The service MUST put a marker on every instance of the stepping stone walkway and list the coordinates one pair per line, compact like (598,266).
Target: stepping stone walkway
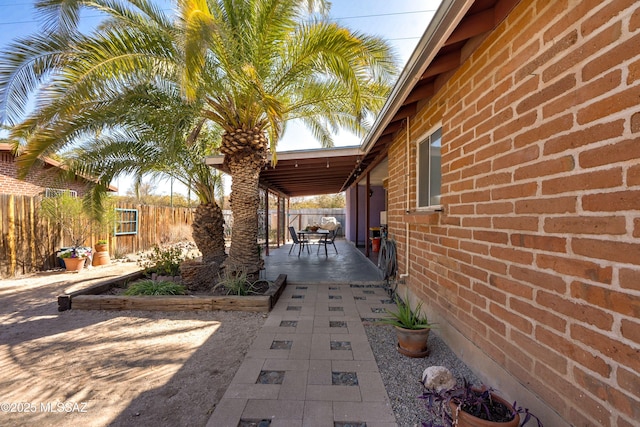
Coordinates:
(311,364)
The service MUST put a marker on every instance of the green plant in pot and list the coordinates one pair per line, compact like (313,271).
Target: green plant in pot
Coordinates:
(412,328)
(101,257)
(101,245)
(469,406)
(74,258)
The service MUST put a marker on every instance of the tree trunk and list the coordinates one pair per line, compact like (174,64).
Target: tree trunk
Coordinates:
(245,156)
(208,232)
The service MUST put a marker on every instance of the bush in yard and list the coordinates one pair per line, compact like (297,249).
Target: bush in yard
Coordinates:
(163,261)
(151,287)
(236,284)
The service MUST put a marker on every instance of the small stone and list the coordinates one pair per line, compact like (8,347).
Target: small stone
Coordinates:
(340,345)
(344,378)
(438,378)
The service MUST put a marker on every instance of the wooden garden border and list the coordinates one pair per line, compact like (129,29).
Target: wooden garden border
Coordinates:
(87,299)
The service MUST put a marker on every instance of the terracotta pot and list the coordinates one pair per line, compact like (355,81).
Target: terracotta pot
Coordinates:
(413,342)
(74,264)
(465,419)
(101,258)
(101,247)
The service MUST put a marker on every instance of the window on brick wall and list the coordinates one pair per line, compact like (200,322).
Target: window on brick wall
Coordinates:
(126,222)
(429,170)
(55,192)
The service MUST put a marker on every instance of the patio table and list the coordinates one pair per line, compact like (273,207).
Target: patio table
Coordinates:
(303,234)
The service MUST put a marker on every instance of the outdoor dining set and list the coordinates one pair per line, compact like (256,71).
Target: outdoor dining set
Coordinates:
(314,235)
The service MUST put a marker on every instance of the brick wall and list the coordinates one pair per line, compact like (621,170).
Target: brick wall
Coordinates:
(37,180)
(536,259)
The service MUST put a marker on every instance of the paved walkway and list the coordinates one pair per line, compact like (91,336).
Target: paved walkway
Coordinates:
(311,363)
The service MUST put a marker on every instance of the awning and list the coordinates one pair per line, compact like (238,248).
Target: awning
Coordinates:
(305,172)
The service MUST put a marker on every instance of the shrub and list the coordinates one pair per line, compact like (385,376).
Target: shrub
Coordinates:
(164,262)
(236,284)
(150,287)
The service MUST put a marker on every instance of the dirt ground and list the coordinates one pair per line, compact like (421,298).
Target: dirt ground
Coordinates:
(98,368)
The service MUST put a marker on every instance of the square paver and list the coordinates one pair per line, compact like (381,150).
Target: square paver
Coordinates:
(337,324)
(319,372)
(317,413)
(294,387)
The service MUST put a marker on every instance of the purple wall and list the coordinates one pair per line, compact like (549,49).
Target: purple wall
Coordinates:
(377,204)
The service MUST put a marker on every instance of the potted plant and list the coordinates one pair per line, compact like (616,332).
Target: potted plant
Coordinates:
(469,406)
(101,245)
(74,258)
(412,328)
(69,214)
(101,257)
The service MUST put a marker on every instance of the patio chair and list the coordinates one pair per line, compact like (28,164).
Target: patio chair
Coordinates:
(329,240)
(296,241)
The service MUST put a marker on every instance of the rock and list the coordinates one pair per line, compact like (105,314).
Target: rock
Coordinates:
(438,378)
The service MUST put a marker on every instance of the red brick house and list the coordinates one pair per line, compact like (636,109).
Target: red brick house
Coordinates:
(508,161)
(40,178)
(511,152)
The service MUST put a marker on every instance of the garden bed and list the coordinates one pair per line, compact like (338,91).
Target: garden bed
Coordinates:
(89,299)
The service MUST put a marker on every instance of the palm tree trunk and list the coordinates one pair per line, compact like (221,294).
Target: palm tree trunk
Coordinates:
(208,232)
(244,166)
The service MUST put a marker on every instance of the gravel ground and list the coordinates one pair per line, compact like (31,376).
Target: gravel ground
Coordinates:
(401,374)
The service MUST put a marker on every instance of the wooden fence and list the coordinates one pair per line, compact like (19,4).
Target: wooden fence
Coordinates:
(29,243)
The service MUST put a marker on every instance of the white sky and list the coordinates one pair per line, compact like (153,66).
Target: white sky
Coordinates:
(401,22)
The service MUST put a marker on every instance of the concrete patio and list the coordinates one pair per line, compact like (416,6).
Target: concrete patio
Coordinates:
(349,264)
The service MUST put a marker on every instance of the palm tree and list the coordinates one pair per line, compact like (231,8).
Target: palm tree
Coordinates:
(262,63)
(249,66)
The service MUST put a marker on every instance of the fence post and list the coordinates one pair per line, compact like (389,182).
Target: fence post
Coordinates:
(11,236)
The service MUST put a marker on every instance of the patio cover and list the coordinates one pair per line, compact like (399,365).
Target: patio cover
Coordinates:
(305,172)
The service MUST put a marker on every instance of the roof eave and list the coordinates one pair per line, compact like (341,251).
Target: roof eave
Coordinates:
(444,22)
